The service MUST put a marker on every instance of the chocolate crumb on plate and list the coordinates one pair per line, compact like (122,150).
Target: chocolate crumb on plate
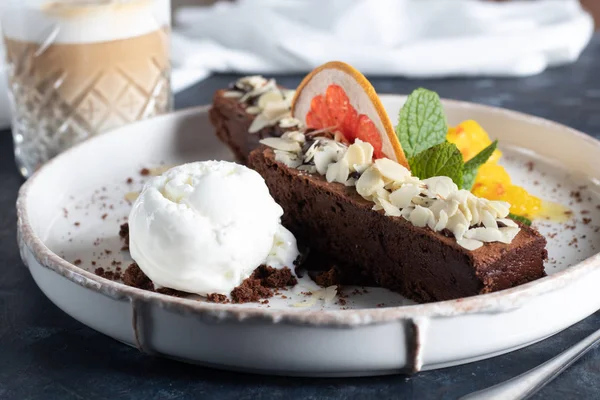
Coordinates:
(145,172)
(530,166)
(124,235)
(217,298)
(171,292)
(111,275)
(328,278)
(77,262)
(135,277)
(261,284)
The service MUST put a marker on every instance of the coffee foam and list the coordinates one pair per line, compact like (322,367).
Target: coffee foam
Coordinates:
(47,22)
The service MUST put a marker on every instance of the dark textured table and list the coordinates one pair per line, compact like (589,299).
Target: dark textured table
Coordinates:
(45,354)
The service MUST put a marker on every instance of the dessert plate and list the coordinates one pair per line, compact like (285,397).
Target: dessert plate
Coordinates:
(70,211)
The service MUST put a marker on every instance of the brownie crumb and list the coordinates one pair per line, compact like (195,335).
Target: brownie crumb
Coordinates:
(328,278)
(576,194)
(586,221)
(529,165)
(77,262)
(113,276)
(124,235)
(217,298)
(135,277)
(144,172)
(77,224)
(342,302)
(170,292)
(261,283)
(129,181)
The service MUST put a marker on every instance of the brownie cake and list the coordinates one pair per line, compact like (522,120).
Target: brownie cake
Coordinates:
(417,262)
(251,110)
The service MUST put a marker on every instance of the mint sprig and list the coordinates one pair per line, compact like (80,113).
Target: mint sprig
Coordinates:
(443,159)
(422,123)
(422,131)
(523,220)
(472,166)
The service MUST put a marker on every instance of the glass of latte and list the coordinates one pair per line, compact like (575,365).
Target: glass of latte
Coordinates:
(77,68)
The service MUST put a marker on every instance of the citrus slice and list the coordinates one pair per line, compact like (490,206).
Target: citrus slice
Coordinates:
(336,96)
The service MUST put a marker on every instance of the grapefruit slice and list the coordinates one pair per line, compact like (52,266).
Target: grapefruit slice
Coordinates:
(338,97)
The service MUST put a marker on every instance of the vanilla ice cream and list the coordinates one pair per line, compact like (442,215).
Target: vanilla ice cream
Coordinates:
(204,227)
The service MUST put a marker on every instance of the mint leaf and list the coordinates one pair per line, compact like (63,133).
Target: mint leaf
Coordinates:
(523,220)
(422,123)
(472,166)
(443,159)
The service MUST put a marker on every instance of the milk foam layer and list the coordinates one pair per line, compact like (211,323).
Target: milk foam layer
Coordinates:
(43,21)
(204,227)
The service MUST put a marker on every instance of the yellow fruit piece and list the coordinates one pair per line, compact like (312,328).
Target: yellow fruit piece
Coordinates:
(489,190)
(492,172)
(471,138)
(521,202)
(492,181)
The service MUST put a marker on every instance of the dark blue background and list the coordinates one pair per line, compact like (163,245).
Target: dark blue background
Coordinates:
(44,354)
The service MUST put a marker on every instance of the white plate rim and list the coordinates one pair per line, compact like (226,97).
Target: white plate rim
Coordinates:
(485,303)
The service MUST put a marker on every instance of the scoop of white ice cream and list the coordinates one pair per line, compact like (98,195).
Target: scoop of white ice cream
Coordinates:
(204,227)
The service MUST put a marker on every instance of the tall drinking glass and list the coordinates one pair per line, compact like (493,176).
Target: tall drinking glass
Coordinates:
(77,68)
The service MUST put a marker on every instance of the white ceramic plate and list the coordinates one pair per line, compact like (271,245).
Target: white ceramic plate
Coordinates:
(71,210)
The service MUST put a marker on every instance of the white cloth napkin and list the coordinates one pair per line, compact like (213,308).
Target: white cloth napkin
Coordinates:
(414,38)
